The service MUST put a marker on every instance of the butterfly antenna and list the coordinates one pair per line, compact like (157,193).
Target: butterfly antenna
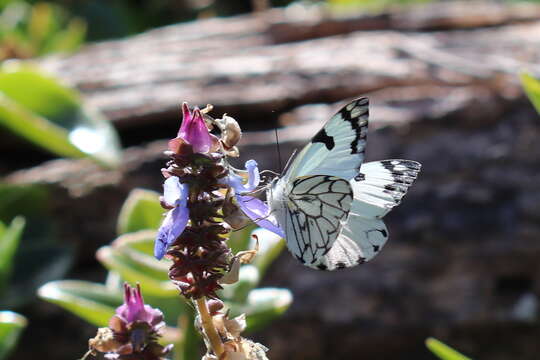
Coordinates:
(278,150)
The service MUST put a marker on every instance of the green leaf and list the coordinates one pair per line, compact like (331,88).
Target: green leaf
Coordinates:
(143,242)
(532,89)
(69,39)
(37,107)
(443,351)
(39,241)
(92,302)
(263,306)
(9,242)
(189,343)
(29,200)
(140,211)
(238,292)
(134,265)
(11,326)
(270,246)
(29,274)
(239,239)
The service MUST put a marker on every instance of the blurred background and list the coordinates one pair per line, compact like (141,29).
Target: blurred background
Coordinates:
(91,91)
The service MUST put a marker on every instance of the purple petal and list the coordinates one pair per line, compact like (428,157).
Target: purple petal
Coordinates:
(173,190)
(172,227)
(253,175)
(195,132)
(235,182)
(134,309)
(259,212)
(187,116)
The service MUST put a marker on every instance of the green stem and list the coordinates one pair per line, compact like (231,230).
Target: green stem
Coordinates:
(209,328)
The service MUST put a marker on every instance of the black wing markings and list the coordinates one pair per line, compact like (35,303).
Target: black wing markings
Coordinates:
(358,121)
(305,226)
(323,137)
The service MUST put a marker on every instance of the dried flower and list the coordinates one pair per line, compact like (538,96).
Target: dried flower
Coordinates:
(236,347)
(230,135)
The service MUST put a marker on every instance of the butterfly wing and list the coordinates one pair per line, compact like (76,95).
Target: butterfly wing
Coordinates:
(338,148)
(377,189)
(312,212)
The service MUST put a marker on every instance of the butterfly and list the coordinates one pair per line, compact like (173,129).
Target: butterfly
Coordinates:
(329,203)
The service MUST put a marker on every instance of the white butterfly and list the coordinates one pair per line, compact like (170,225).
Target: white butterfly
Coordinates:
(329,204)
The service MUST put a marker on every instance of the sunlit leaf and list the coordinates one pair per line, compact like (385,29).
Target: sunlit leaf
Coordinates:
(135,266)
(9,242)
(143,242)
(443,351)
(92,302)
(11,326)
(270,246)
(37,107)
(263,306)
(238,292)
(532,89)
(140,211)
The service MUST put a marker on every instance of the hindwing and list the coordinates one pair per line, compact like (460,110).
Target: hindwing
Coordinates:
(315,208)
(377,189)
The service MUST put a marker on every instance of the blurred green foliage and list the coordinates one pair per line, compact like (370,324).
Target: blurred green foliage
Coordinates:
(20,273)
(375,5)
(108,19)
(40,109)
(443,351)
(27,31)
(130,258)
(531,86)
(11,326)
(10,237)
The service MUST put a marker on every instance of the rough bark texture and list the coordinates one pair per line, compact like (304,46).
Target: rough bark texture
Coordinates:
(462,261)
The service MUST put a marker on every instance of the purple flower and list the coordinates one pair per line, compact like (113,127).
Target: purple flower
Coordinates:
(133,309)
(175,195)
(192,131)
(252,207)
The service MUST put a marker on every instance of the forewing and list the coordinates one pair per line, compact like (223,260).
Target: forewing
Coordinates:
(381,185)
(316,207)
(377,189)
(338,148)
